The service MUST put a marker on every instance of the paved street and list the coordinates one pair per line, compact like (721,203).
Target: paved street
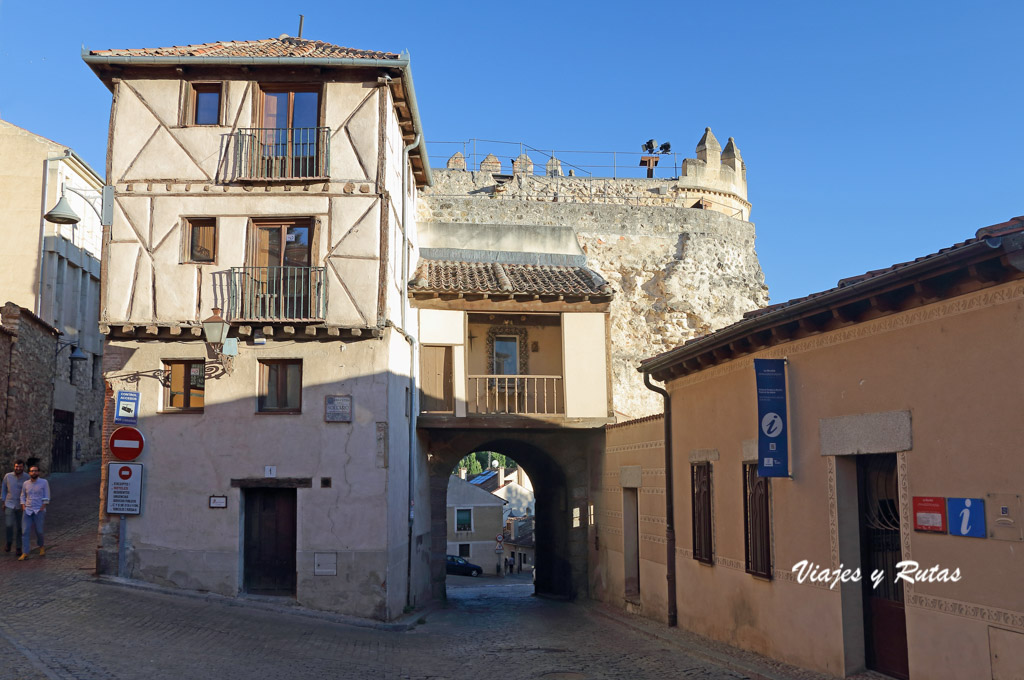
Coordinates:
(58,621)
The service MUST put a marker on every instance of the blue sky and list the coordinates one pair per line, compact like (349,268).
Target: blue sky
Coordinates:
(873,132)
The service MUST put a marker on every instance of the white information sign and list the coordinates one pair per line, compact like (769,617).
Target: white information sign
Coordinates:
(124,489)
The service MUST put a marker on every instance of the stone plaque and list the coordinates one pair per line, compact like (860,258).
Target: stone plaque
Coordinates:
(338,408)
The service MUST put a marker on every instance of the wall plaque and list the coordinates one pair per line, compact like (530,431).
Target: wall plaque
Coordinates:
(338,408)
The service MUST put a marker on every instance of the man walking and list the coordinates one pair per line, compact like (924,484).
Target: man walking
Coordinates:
(10,498)
(35,496)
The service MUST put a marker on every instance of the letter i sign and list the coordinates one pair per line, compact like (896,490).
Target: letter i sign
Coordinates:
(966,517)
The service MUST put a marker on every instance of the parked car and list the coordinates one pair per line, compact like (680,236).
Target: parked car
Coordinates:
(458,565)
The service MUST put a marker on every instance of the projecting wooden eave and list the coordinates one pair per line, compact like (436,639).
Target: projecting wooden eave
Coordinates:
(427,421)
(509,302)
(289,330)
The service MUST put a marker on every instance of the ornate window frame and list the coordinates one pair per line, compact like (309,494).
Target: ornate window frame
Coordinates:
(524,351)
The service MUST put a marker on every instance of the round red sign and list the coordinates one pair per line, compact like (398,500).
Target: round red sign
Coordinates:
(125,473)
(126,443)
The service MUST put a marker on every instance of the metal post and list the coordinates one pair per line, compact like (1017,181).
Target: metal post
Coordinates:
(122,548)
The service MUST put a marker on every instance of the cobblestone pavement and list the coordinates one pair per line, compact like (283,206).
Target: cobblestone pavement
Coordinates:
(58,621)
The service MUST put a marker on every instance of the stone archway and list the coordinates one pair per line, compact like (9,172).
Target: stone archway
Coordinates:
(558,463)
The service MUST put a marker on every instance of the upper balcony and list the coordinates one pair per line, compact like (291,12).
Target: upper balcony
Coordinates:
(296,153)
(277,294)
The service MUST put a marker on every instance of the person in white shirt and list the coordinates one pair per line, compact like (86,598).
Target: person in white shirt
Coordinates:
(10,498)
(35,496)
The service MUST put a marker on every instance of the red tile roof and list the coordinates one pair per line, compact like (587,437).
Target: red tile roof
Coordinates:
(285,46)
(450,276)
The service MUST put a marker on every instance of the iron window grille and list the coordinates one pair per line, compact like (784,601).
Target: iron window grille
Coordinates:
(700,483)
(757,532)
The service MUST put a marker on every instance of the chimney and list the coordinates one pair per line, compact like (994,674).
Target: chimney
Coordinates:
(462,473)
(501,477)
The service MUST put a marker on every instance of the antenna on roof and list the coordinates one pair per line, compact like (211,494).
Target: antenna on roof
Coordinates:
(301,18)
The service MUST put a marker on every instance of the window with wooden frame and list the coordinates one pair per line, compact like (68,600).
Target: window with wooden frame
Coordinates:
(184,386)
(757,531)
(203,104)
(280,386)
(464,519)
(200,240)
(700,485)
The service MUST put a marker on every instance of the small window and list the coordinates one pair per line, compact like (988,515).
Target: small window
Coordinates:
(280,386)
(201,240)
(757,524)
(464,550)
(464,519)
(205,104)
(184,386)
(700,484)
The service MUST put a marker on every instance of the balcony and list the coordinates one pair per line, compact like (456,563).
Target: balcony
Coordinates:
(282,153)
(269,294)
(519,395)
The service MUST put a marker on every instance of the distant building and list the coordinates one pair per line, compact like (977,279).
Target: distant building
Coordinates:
(904,397)
(53,271)
(474,521)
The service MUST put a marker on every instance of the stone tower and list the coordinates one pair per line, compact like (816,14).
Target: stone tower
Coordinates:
(678,251)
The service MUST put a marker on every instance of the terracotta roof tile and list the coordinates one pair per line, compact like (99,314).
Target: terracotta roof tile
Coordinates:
(450,276)
(285,46)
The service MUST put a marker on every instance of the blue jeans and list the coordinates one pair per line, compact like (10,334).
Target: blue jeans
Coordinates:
(28,522)
(12,526)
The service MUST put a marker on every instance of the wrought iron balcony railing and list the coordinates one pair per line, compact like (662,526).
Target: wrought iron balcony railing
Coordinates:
(282,153)
(277,294)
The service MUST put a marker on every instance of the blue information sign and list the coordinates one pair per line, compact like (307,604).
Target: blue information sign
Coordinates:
(772,423)
(966,516)
(127,412)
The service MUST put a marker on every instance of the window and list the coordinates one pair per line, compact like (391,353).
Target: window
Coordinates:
(700,484)
(506,355)
(201,240)
(464,550)
(290,138)
(204,104)
(184,385)
(757,524)
(464,519)
(280,386)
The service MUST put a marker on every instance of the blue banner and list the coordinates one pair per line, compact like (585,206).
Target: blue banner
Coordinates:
(127,412)
(772,422)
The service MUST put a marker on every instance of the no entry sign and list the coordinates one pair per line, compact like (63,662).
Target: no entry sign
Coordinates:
(126,443)
(124,488)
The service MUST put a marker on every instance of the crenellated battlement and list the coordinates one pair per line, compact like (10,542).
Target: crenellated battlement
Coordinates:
(715,180)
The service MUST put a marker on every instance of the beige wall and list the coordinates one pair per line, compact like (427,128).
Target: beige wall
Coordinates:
(962,406)
(586,365)
(179,541)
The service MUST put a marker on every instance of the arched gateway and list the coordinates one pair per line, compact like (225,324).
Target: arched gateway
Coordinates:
(558,463)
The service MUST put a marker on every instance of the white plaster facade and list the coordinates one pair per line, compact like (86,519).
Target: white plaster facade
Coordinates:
(349,479)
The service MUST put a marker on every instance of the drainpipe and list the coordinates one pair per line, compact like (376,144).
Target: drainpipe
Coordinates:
(670,530)
(68,153)
(412,358)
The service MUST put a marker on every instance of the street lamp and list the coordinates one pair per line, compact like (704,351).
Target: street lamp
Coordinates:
(76,353)
(215,329)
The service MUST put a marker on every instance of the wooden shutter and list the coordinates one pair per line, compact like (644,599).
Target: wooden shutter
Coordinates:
(437,394)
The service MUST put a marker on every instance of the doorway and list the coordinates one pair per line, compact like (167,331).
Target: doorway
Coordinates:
(63,441)
(885,623)
(269,542)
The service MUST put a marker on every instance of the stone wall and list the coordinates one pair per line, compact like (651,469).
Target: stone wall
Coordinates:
(678,272)
(29,371)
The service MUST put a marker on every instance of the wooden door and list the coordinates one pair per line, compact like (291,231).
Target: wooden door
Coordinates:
(436,380)
(269,542)
(885,622)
